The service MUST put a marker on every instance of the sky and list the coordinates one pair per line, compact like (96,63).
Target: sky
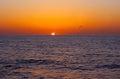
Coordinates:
(59,16)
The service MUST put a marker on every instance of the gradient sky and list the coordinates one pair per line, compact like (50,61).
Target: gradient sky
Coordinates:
(60,16)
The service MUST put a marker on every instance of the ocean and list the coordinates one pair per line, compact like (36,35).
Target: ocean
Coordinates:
(60,57)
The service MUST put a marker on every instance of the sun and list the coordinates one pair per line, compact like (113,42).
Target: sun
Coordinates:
(53,34)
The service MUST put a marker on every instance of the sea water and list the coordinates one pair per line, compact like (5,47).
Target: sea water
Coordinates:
(60,57)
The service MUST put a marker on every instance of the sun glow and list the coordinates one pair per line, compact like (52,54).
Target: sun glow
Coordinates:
(53,34)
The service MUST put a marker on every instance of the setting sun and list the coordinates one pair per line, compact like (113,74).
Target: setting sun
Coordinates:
(53,34)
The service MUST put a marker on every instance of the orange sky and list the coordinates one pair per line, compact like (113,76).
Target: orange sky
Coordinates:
(59,16)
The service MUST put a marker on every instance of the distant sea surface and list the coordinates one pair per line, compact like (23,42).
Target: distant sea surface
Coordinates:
(60,57)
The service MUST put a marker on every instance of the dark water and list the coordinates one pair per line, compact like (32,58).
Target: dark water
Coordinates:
(60,57)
